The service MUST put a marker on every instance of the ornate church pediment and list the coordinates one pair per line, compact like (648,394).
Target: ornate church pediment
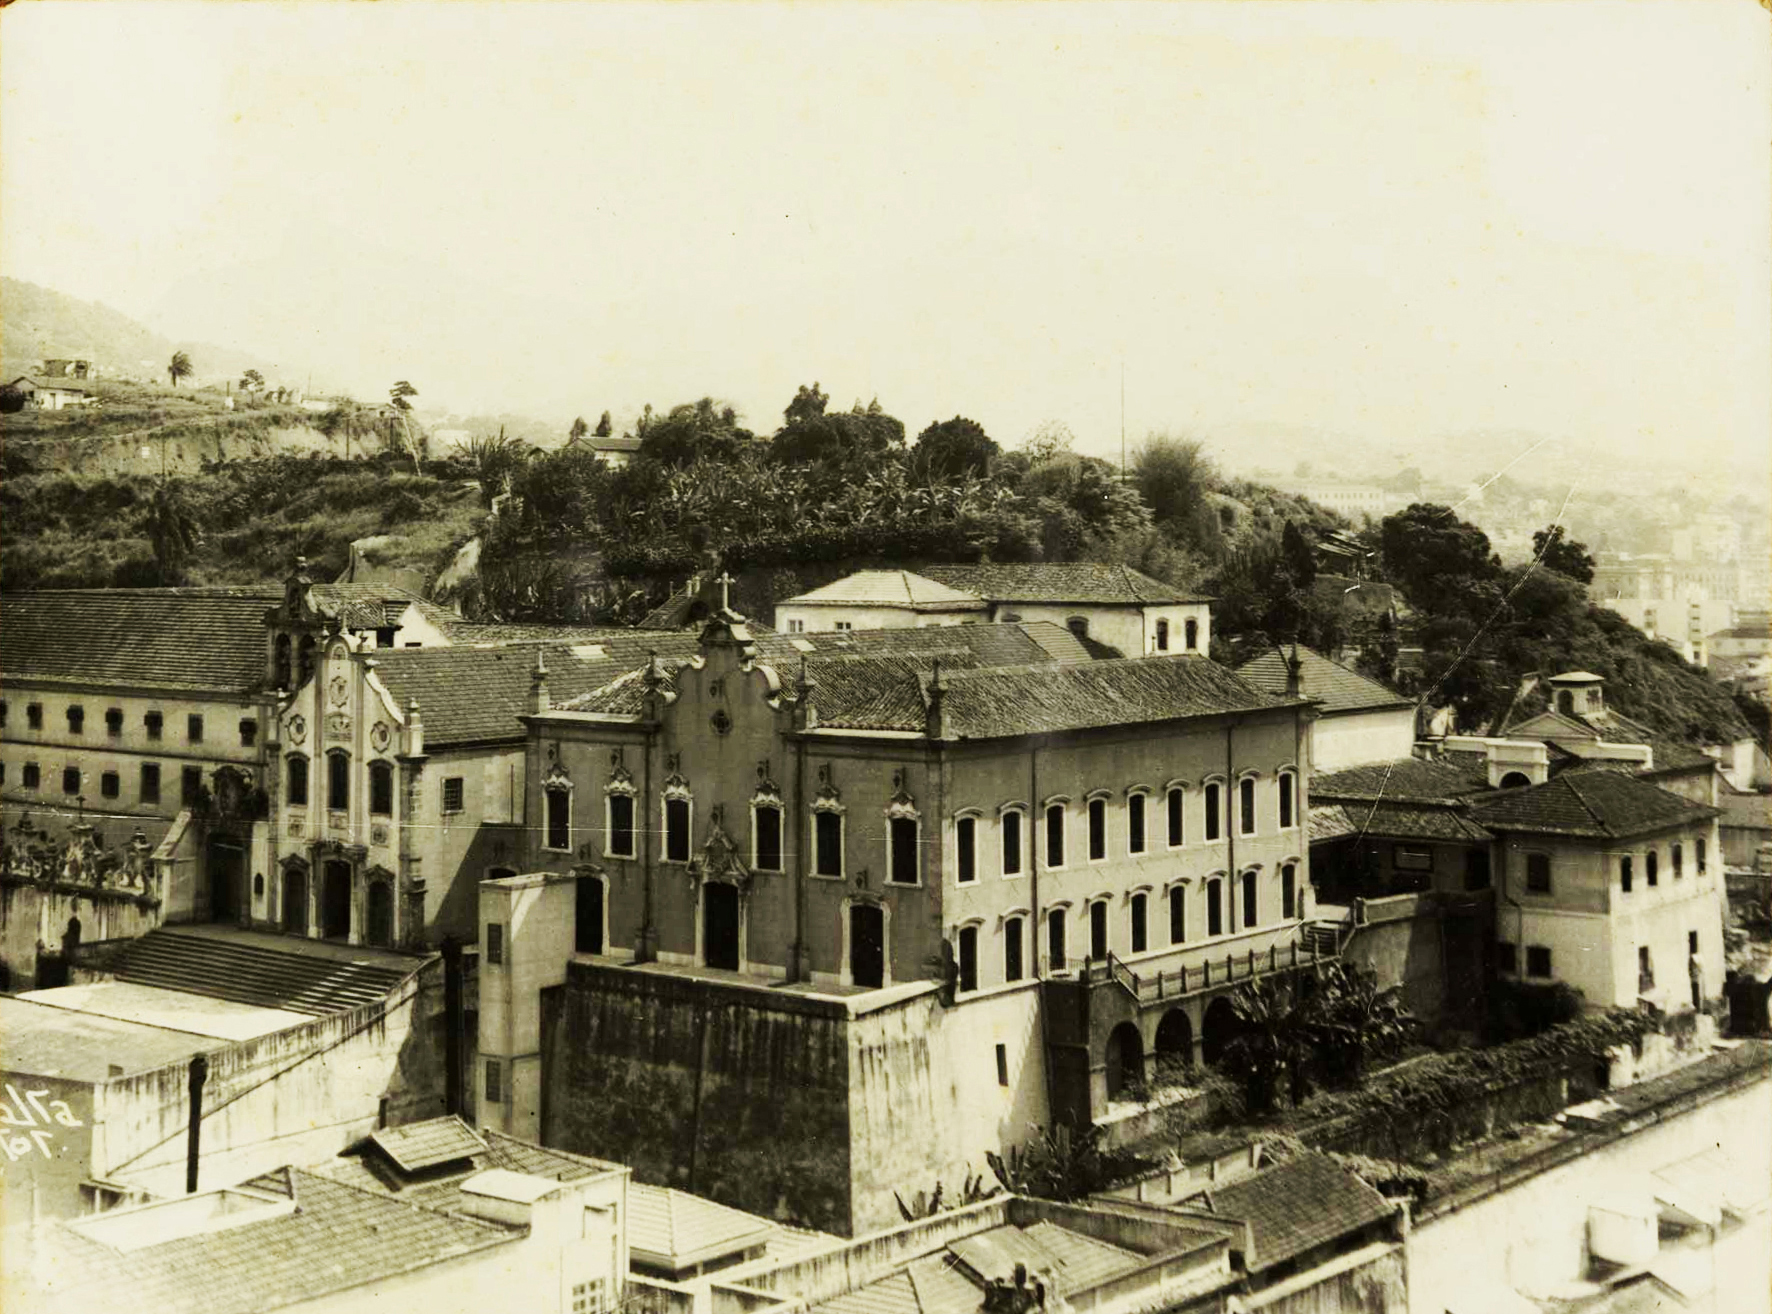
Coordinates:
(720,858)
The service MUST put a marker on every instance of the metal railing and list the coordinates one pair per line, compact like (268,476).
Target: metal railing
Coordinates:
(1209,974)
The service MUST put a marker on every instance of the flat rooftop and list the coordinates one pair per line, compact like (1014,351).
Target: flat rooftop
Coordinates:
(173,1010)
(862,999)
(41,1040)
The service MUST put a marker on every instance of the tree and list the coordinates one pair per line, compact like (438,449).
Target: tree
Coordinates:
(252,381)
(951,448)
(173,532)
(1351,1019)
(579,430)
(604,426)
(1556,551)
(692,431)
(399,393)
(1439,561)
(1174,476)
(1301,562)
(808,404)
(861,435)
(12,400)
(179,367)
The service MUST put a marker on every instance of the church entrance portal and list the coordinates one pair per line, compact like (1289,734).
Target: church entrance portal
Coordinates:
(335,901)
(867,946)
(224,859)
(295,901)
(719,943)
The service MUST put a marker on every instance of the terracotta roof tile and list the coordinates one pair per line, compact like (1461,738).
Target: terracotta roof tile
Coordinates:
(1387,820)
(1412,779)
(1597,804)
(889,588)
(1299,1205)
(678,1228)
(1053,581)
(1332,684)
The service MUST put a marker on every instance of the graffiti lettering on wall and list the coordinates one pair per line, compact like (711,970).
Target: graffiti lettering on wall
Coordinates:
(30,1122)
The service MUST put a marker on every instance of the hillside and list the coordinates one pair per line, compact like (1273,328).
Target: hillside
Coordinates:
(38,323)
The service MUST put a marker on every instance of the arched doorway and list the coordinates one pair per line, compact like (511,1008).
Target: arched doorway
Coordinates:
(1175,1042)
(867,945)
(378,915)
(719,930)
(224,861)
(335,901)
(1217,1029)
(1515,780)
(1125,1060)
(587,915)
(295,900)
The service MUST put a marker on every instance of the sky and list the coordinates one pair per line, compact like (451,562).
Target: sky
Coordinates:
(1380,223)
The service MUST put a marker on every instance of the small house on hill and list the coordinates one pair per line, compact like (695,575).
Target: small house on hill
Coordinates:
(51,394)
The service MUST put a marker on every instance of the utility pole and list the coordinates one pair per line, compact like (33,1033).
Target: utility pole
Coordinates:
(1122,419)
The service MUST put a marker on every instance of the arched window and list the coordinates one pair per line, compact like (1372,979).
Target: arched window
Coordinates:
(1078,625)
(295,780)
(1014,933)
(1009,827)
(1098,930)
(827,838)
(559,818)
(766,835)
(1162,636)
(968,955)
(1289,890)
(1097,829)
(965,849)
(1515,780)
(903,850)
(1055,834)
(281,666)
(1698,855)
(1214,811)
(338,781)
(1566,702)
(1178,914)
(1214,907)
(619,828)
(1055,940)
(1246,805)
(381,789)
(1135,841)
(1139,930)
(1251,914)
(1678,854)
(1176,800)
(1190,631)
(307,659)
(1288,800)
(1652,866)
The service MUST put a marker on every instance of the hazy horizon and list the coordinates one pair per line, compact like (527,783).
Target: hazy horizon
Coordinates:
(1377,224)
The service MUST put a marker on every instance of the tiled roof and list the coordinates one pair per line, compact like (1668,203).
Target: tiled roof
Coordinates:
(202,639)
(1411,779)
(338,1237)
(1336,687)
(877,693)
(676,1229)
(58,384)
(439,1189)
(1011,643)
(1052,581)
(420,1145)
(1406,821)
(994,702)
(1597,804)
(1297,1206)
(372,606)
(889,588)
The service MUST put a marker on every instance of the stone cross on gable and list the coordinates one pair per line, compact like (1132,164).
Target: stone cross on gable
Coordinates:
(725,581)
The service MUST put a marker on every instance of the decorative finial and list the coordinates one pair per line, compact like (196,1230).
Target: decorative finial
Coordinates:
(725,581)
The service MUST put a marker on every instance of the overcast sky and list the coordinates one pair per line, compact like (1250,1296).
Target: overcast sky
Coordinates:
(1383,220)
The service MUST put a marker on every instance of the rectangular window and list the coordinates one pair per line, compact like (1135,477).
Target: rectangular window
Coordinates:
(1691,942)
(1698,855)
(150,792)
(1162,636)
(1645,970)
(1288,890)
(1214,817)
(1476,869)
(70,780)
(338,782)
(1678,857)
(296,781)
(1404,857)
(1178,914)
(1097,829)
(621,826)
(2,713)
(1246,805)
(827,843)
(76,720)
(1055,835)
(1135,823)
(1002,1065)
(1624,873)
(902,839)
(1286,787)
(1098,931)
(966,849)
(494,1093)
(1538,873)
(1651,865)
(796,627)
(452,793)
(248,732)
(1012,949)
(1055,940)
(153,723)
(842,625)
(194,728)
(1176,797)
(766,819)
(968,958)
(495,942)
(110,784)
(381,788)
(34,715)
(33,775)
(113,721)
(1507,958)
(190,786)
(1011,825)
(1538,960)
(1138,926)
(559,804)
(676,829)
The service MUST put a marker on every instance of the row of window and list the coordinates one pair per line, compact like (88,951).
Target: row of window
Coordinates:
(1627,865)
(110,783)
(338,784)
(1538,962)
(1220,911)
(153,722)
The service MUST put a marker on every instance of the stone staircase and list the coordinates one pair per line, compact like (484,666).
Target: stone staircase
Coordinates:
(1323,937)
(246,971)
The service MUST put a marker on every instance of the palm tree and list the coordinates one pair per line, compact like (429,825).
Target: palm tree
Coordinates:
(173,532)
(179,367)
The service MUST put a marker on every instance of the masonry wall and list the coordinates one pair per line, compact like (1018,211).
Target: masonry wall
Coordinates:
(1358,738)
(37,916)
(725,1091)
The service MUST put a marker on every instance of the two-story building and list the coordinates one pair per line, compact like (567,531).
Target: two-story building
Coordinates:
(802,925)
(1121,611)
(1359,721)
(1611,885)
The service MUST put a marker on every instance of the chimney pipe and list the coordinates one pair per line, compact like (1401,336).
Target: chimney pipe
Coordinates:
(199,1074)
(452,1025)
